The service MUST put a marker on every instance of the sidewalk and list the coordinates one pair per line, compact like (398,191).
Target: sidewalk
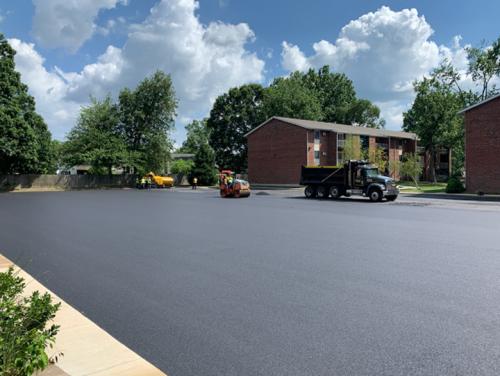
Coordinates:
(88,349)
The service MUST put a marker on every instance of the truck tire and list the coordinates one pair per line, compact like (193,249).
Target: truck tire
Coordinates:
(375,195)
(310,191)
(335,192)
(392,198)
(322,192)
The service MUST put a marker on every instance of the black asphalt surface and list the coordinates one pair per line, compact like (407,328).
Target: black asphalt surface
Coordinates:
(273,284)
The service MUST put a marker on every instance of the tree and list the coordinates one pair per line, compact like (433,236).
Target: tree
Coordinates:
(378,157)
(146,118)
(24,330)
(96,139)
(182,166)
(197,134)
(24,137)
(362,112)
(204,165)
(289,97)
(57,155)
(337,98)
(411,167)
(484,64)
(334,91)
(352,147)
(394,167)
(434,117)
(234,114)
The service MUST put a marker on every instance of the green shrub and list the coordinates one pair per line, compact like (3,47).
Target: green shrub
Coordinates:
(454,185)
(24,333)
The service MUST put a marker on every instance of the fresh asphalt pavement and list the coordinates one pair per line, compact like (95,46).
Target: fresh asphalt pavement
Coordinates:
(274,284)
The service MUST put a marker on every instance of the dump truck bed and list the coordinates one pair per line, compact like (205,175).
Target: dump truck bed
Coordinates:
(322,175)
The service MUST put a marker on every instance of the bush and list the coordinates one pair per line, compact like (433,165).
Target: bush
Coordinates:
(24,333)
(454,185)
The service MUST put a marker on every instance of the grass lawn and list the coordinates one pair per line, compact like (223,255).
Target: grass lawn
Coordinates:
(423,187)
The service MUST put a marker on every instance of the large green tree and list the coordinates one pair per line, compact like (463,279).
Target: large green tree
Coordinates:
(197,134)
(147,116)
(233,115)
(289,97)
(96,139)
(25,141)
(484,65)
(334,91)
(337,98)
(434,116)
(204,165)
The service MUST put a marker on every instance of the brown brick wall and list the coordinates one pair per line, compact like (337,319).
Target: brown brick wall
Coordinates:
(482,148)
(276,153)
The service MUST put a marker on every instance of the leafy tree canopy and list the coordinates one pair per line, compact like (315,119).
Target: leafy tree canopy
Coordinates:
(204,165)
(233,115)
(96,140)
(25,141)
(146,117)
(197,134)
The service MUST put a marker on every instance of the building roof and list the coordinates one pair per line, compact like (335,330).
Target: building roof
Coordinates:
(479,103)
(182,155)
(339,128)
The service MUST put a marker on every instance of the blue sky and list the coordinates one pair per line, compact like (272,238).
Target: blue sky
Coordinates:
(216,44)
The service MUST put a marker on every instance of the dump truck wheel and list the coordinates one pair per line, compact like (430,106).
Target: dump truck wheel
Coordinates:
(391,198)
(222,193)
(335,192)
(322,192)
(375,195)
(310,191)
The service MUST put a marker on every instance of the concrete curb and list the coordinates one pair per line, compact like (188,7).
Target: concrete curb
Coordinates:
(454,196)
(88,349)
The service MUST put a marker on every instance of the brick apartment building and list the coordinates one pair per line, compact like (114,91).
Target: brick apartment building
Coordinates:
(280,146)
(482,146)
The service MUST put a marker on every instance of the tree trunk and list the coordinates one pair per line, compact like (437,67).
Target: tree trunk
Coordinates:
(432,164)
(110,170)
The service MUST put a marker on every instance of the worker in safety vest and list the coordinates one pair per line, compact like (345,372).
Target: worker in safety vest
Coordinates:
(195,183)
(148,182)
(230,181)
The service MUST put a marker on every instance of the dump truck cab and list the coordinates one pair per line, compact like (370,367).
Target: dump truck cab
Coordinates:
(352,178)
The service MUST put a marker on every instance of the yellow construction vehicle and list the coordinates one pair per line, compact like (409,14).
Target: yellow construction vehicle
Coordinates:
(158,181)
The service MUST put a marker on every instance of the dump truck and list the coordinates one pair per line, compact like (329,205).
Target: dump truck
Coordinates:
(229,186)
(158,181)
(351,178)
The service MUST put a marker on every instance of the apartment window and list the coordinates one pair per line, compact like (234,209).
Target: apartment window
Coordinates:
(317,135)
(364,142)
(316,158)
(340,147)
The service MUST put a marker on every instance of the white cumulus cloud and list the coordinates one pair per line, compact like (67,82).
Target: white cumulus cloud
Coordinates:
(383,52)
(67,23)
(48,88)
(203,60)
